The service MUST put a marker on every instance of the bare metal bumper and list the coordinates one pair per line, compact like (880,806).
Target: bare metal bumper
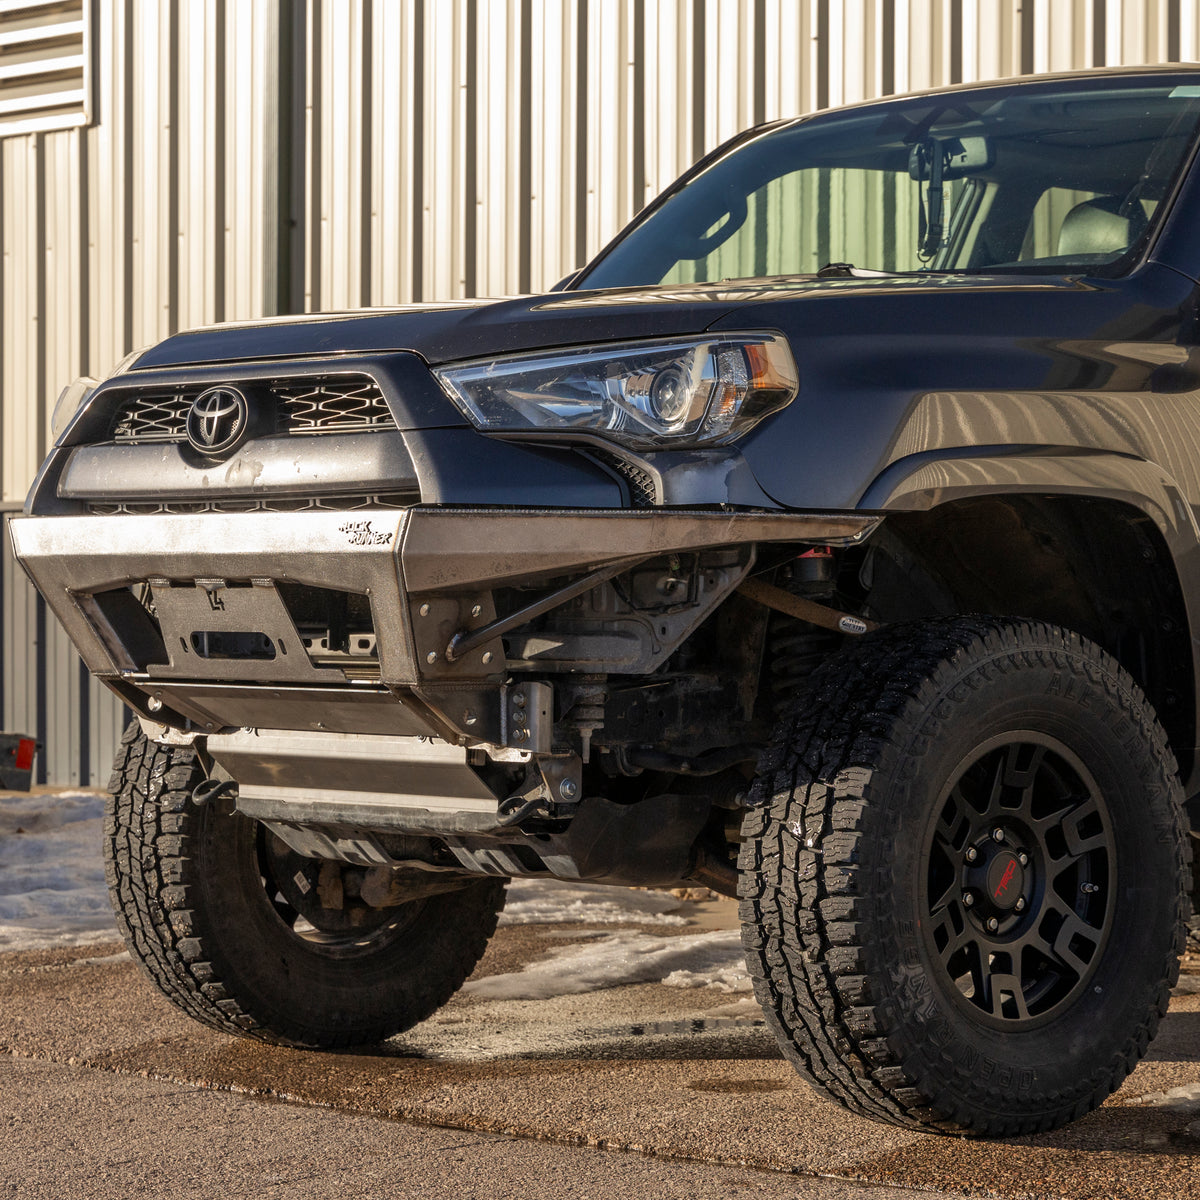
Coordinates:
(428,573)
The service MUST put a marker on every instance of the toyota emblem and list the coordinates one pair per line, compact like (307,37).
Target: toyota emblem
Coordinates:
(218,420)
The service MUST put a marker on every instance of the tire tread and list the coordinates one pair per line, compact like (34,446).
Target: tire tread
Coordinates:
(153,871)
(802,893)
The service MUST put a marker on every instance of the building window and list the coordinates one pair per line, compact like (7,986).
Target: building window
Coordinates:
(45,69)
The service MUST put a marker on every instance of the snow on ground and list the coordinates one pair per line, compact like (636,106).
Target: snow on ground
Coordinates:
(52,893)
(52,890)
(545,902)
(691,960)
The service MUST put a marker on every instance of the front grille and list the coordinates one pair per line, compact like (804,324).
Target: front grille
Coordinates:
(328,406)
(240,504)
(333,404)
(154,418)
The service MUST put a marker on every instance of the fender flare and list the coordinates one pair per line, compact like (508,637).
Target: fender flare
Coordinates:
(921,482)
(927,480)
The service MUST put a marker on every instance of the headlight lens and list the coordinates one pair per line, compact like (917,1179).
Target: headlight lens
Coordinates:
(643,394)
(75,395)
(69,402)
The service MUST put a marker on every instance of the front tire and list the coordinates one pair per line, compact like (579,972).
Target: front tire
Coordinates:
(963,897)
(214,909)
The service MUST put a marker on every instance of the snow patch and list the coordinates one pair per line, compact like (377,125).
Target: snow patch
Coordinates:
(1184,1099)
(52,889)
(698,960)
(549,901)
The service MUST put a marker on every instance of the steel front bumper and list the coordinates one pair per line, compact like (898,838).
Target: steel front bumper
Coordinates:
(429,574)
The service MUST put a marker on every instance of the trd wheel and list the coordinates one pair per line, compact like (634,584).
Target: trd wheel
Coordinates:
(963,893)
(251,938)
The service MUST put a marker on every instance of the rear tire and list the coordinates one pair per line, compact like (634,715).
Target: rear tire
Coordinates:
(963,897)
(197,900)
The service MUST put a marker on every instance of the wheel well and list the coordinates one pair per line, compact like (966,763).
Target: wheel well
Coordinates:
(1096,566)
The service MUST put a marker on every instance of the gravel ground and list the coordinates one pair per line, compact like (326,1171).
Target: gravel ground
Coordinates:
(680,1077)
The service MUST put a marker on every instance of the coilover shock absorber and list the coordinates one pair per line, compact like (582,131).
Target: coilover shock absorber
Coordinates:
(796,648)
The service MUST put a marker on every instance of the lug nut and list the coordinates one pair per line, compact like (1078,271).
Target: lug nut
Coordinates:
(992,924)
(968,898)
(997,834)
(1023,859)
(972,854)
(1020,904)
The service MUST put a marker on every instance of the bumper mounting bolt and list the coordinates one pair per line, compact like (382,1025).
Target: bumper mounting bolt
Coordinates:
(567,789)
(154,704)
(431,657)
(424,610)
(487,657)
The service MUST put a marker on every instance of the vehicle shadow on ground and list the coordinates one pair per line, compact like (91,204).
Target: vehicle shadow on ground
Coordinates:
(689,1040)
(1120,1129)
(1178,1039)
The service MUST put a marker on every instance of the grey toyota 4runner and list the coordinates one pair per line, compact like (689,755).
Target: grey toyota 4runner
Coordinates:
(830,540)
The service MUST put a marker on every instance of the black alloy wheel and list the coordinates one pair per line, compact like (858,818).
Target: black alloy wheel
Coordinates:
(1021,881)
(312,902)
(963,885)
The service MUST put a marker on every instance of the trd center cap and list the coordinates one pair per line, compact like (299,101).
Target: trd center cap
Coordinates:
(1005,881)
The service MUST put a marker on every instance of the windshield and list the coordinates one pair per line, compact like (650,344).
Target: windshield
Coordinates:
(1064,176)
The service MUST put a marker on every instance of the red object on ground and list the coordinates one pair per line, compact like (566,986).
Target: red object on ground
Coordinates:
(24,754)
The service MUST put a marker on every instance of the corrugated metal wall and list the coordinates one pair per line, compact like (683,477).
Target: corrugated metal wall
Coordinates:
(247,157)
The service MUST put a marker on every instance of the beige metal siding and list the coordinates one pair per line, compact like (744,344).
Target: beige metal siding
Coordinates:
(45,64)
(245,157)
(158,216)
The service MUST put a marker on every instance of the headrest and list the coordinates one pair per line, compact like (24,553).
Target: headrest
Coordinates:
(1097,227)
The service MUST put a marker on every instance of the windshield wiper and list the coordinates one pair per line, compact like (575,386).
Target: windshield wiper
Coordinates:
(844,270)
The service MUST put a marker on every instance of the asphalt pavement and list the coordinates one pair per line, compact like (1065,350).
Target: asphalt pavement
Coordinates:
(642,1090)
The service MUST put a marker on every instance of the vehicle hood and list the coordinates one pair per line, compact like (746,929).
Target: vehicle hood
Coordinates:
(448,331)
(475,329)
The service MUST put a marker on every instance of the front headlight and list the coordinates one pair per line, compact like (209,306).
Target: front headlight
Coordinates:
(643,394)
(70,400)
(76,394)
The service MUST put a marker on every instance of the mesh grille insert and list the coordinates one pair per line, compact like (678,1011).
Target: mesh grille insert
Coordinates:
(333,404)
(642,492)
(240,504)
(154,418)
(321,406)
